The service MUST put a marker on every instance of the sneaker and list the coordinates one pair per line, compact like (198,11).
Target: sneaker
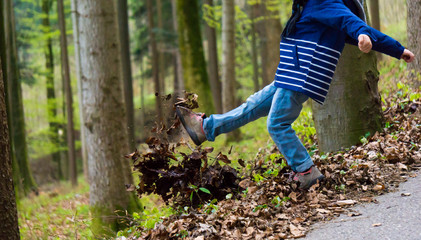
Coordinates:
(306,179)
(193,123)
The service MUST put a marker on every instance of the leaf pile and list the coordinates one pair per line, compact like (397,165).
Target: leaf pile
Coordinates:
(274,209)
(189,181)
(179,178)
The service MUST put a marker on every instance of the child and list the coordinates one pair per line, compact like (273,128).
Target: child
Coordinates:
(311,45)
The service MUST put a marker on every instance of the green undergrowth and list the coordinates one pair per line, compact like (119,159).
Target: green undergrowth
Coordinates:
(58,212)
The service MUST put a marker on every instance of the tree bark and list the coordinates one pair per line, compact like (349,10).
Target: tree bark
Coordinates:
(3,58)
(192,56)
(65,70)
(9,228)
(178,68)
(51,96)
(353,106)
(414,39)
(270,35)
(154,59)
(253,15)
(127,69)
(375,14)
(228,55)
(375,19)
(161,45)
(263,46)
(213,70)
(103,111)
(17,123)
(75,21)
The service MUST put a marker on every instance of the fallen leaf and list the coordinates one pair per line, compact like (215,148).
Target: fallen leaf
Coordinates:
(295,231)
(354,214)
(378,187)
(405,194)
(376,224)
(346,202)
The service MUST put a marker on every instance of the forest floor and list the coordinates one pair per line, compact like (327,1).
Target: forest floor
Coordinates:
(263,205)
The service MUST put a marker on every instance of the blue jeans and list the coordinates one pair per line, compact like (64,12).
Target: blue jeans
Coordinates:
(282,106)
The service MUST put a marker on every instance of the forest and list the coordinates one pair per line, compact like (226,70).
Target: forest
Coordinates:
(91,146)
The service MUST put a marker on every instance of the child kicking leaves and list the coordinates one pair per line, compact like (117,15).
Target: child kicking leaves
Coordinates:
(311,45)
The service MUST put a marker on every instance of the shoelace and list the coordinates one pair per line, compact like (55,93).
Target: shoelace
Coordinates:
(293,176)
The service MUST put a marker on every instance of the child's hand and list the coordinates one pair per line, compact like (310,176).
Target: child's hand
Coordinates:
(408,56)
(364,43)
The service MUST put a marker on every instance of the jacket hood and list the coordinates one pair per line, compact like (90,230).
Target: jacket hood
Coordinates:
(360,9)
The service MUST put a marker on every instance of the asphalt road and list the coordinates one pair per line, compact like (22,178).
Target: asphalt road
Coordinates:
(393,217)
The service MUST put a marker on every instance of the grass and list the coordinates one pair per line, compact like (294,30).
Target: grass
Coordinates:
(60,212)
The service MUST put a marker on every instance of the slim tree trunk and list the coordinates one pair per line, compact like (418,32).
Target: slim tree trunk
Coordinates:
(51,96)
(127,70)
(103,111)
(161,55)
(375,19)
(213,70)
(178,68)
(142,97)
(65,70)
(375,14)
(17,123)
(192,56)
(228,55)
(414,39)
(353,106)
(75,21)
(9,228)
(253,13)
(154,59)
(263,47)
(269,30)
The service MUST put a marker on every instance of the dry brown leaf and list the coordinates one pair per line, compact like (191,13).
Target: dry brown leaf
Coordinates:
(346,202)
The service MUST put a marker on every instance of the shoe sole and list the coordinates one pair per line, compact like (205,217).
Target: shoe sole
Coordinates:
(191,133)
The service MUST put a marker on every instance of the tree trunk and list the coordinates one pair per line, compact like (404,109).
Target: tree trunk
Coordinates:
(269,30)
(154,59)
(192,56)
(414,39)
(127,69)
(263,46)
(17,123)
(3,58)
(375,19)
(142,98)
(353,106)
(213,64)
(51,96)
(375,14)
(161,45)
(75,21)
(103,111)
(228,55)
(9,228)
(65,70)
(253,15)
(178,68)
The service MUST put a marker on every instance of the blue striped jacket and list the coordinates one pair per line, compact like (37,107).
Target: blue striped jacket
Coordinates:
(308,57)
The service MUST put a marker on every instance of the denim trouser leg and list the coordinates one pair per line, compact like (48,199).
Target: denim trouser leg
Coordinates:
(256,106)
(283,107)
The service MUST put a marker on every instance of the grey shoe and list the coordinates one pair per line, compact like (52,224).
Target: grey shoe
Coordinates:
(306,179)
(193,123)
